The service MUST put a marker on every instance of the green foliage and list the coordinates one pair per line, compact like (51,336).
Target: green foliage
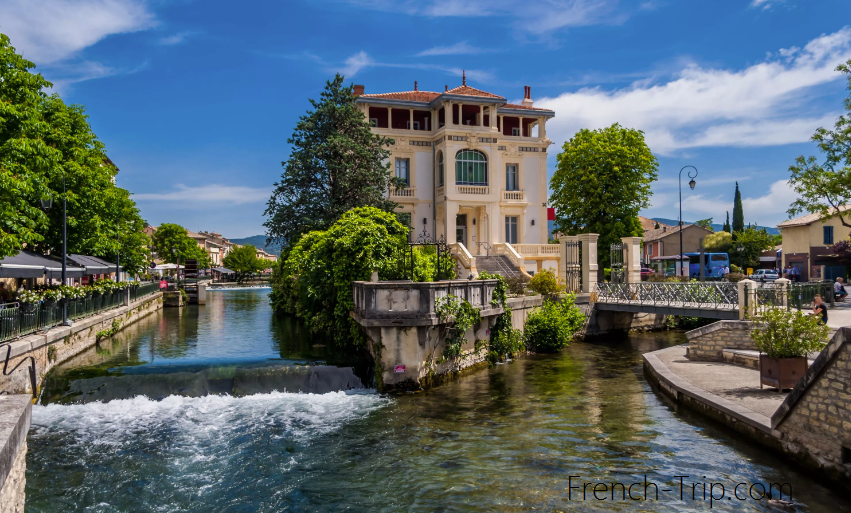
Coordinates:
(686,323)
(425,265)
(43,140)
(459,316)
(735,277)
(822,187)
(738,213)
(705,223)
(336,164)
(787,334)
(243,262)
(172,243)
(551,328)
(544,282)
(754,241)
(718,242)
(516,285)
(727,228)
(112,330)
(602,180)
(315,280)
(505,340)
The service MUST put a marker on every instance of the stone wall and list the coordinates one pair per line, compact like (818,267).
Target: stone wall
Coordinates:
(708,343)
(15,420)
(814,422)
(61,343)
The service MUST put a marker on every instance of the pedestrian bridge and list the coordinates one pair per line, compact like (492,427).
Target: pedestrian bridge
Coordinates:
(711,300)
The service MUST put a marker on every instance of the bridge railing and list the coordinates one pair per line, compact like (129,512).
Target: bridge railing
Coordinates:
(715,295)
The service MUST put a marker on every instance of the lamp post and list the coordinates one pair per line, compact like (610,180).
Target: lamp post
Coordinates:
(46,203)
(691,184)
(740,249)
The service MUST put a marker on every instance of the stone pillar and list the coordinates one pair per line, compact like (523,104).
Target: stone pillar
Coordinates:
(501,127)
(125,297)
(632,263)
(448,120)
(389,118)
(521,126)
(481,115)
(451,211)
(589,261)
(781,287)
(492,119)
(542,129)
(411,119)
(747,296)
(202,293)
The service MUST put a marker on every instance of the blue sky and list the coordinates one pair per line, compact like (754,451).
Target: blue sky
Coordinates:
(195,99)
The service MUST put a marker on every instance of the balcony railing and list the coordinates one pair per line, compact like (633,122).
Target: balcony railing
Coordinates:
(513,196)
(406,192)
(538,250)
(472,189)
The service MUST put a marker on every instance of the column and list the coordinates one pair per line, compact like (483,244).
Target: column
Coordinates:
(493,224)
(389,117)
(492,114)
(481,115)
(501,127)
(781,286)
(589,261)
(450,212)
(747,298)
(632,263)
(542,129)
(521,127)
(447,114)
(411,119)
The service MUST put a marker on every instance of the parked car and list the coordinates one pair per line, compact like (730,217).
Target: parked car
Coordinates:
(764,275)
(646,272)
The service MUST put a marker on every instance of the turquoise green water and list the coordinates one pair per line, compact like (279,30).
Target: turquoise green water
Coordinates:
(502,439)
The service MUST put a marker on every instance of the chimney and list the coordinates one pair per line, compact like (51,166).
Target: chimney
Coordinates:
(445,88)
(664,229)
(358,90)
(463,77)
(415,85)
(527,96)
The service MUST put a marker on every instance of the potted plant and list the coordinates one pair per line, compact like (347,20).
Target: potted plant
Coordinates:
(786,338)
(51,296)
(28,300)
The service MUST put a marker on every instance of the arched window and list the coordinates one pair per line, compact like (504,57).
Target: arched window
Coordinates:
(471,168)
(440,168)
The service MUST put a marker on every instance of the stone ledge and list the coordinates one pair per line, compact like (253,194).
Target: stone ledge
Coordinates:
(677,385)
(15,420)
(716,326)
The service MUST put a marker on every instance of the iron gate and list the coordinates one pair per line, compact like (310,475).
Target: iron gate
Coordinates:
(424,240)
(572,266)
(616,260)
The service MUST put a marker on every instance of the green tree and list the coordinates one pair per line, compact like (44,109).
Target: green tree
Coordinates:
(753,241)
(718,242)
(244,262)
(705,223)
(738,213)
(602,180)
(337,163)
(25,157)
(727,228)
(823,187)
(172,243)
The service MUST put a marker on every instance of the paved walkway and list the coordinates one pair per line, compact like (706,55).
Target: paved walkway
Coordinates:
(840,315)
(732,382)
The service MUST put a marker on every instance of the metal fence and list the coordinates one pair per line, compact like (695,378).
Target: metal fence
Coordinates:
(798,296)
(18,320)
(716,295)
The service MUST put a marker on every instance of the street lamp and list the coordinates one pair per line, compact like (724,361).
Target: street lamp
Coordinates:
(740,249)
(46,203)
(691,184)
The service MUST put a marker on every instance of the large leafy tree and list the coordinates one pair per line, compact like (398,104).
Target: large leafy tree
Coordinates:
(824,186)
(244,262)
(172,243)
(602,180)
(753,241)
(336,164)
(738,212)
(705,223)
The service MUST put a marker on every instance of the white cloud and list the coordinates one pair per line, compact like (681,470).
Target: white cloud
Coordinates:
(356,63)
(761,105)
(361,60)
(175,39)
(461,48)
(764,4)
(211,194)
(47,31)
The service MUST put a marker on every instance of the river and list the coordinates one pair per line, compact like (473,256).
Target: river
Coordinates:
(141,424)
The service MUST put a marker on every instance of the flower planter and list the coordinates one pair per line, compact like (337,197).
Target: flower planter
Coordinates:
(781,373)
(28,308)
(49,302)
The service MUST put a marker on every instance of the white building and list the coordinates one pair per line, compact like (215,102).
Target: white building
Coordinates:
(483,159)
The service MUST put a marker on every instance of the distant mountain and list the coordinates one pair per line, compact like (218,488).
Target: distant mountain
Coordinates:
(258,241)
(715,227)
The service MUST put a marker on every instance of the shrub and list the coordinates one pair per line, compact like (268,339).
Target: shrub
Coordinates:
(783,334)
(735,277)
(505,340)
(551,328)
(516,285)
(545,283)
(735,269)
(459,316)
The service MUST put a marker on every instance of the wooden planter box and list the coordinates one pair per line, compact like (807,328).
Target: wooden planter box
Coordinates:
(781,373)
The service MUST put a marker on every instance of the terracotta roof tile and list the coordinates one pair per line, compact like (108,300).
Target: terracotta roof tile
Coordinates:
(664,231)
(472,91)
(413,96)
(524,107)
(807,219)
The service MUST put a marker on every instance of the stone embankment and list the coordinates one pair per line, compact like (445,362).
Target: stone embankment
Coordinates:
(15,419)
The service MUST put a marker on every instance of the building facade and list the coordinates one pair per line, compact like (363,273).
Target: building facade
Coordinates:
(474,165)
(808,245)
(665,241)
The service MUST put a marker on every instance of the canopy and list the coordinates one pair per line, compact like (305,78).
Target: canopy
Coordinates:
(223,270)
(167,266)
(31,265)
(93,265)
(669,257)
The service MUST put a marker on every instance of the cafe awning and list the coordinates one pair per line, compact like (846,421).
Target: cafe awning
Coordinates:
(31,265)
(93,265)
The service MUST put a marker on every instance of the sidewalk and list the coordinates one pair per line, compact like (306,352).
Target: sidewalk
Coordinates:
(840,315)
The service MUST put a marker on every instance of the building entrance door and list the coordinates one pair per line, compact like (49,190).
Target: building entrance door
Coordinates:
(461,229)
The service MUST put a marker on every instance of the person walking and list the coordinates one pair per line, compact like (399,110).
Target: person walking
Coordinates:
(839,290)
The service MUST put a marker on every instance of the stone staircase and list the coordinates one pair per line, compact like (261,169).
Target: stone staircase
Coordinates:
(497,265)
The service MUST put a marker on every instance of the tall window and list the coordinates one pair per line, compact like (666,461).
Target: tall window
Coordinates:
(828,234)
(511,229)
(403,170)
(511,183)
(471,168)
(440,168)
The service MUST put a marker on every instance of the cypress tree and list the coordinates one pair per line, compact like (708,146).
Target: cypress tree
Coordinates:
(727,224)
(738,213)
